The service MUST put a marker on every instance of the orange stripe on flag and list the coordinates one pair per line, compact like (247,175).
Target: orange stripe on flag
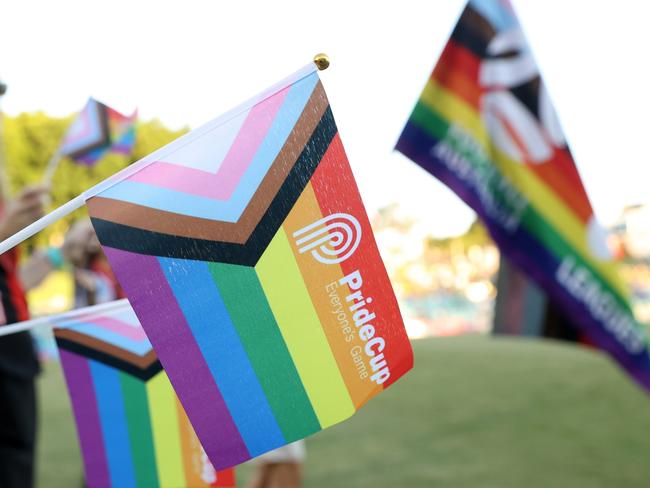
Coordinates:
(455,76)
(193,458)
(328,298)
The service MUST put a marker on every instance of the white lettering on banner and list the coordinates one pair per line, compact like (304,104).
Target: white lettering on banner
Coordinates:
(358,306)
(461,154)
(602,305)
(332,239)
(358,362)
(337,310)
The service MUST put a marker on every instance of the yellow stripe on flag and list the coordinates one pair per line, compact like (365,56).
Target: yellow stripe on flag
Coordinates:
(166,433)
(455,110)
(342,334)
(302,331)
(541,196)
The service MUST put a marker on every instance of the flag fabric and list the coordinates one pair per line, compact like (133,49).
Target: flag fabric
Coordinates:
(97,130)
(484,125)
(247,254)
(132,429)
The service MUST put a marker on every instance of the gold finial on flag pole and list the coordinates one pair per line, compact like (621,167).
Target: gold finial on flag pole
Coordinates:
(322,61)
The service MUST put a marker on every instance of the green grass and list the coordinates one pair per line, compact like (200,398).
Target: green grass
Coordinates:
(475,412)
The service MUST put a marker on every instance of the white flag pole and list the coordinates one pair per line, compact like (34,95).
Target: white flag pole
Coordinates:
(23,326)
(30,324)
(52,165)
(320,62)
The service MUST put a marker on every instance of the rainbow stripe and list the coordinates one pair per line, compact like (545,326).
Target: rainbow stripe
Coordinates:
(484,126)
(98,129)
(132,429)
(252,328)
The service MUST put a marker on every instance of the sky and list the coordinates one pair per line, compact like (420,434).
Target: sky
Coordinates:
(187,62)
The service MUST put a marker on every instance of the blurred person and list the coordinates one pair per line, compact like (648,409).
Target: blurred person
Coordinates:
(18,362)
(94,281)
(280,468)
(93,277)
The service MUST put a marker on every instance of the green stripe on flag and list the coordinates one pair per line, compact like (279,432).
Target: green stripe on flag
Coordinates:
(545,233)
(429,121)
(266,349)
(137,414)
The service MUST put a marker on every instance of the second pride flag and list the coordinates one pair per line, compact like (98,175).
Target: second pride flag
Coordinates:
(133,431)
(485,126)
(246,253)
(97,130)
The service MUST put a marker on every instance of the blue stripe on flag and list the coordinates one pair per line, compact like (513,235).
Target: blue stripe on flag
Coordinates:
(110,403)
(206,314)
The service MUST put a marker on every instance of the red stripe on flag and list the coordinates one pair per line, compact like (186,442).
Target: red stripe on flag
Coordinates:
(225,477)
(458,71)
(560,174)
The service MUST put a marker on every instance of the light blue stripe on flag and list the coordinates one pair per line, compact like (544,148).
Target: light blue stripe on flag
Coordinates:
(140,348)
(214,332)
(499,15)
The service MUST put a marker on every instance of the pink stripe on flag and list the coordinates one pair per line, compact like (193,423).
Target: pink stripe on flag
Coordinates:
(119,327)
(84,116)
(219,185)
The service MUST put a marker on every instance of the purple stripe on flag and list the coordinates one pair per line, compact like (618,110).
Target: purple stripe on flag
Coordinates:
(171,337)
(84,405)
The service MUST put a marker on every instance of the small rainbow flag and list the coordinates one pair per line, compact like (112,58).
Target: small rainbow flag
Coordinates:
(248,257)
(485,126)
(132,429)
(98,129)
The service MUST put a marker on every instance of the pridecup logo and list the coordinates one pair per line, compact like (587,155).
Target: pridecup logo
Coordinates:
(331,239)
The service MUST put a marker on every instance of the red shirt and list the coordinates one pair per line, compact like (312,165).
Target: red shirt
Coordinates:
(17,355)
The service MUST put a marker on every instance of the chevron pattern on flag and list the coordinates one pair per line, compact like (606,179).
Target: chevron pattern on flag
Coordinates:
(98,129)
(132,428)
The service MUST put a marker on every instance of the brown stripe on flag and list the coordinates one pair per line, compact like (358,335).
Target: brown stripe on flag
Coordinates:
(141,362)
(171,223)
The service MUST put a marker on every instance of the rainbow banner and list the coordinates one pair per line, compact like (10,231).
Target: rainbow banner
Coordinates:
(485,126)
(248,257)
(132,429)
(97,130)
